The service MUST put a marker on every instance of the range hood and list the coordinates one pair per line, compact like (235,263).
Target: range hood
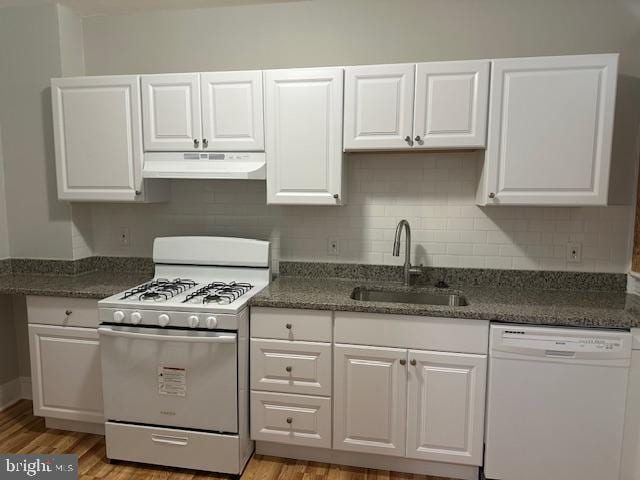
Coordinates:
(222,165)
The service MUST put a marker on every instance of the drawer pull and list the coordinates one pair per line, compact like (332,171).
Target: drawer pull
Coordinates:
(68,312)
(288,368)
(181,441)
(288,326)
(289,420)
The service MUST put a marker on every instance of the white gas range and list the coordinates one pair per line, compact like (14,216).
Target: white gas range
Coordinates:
(175,356)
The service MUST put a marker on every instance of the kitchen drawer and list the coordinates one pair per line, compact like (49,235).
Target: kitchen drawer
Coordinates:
(296,419)
(62,311)
(173,447)
(291,367)
(291,324)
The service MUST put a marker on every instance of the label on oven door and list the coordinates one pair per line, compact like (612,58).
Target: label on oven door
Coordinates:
(172,381)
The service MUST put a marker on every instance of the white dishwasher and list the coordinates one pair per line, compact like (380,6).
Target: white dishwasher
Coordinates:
(556,403)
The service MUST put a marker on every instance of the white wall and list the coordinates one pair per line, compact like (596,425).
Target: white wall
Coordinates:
(343,32)
(4,232)
(433,191)
(39,224)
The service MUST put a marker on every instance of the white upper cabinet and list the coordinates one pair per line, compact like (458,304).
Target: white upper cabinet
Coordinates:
(303,120)
(171,112)
(550,131)
(369,399)
(445,407)
(423,106)
(451,104)
(378,107)
(98,138)
(232,111)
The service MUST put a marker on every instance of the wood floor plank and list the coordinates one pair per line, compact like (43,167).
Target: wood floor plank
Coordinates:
(21,432)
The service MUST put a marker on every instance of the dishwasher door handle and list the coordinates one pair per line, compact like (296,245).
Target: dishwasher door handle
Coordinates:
(559,354)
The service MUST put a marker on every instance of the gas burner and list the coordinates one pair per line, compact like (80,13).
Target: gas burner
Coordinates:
(218,292)
(160,289)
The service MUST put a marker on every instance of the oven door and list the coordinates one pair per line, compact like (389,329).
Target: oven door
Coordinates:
(167,377)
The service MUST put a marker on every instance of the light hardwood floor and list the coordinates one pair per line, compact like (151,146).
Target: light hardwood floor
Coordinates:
(21,432)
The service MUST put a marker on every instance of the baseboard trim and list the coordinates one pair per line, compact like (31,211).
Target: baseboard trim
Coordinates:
(364,460)
(9,393)
(74,426)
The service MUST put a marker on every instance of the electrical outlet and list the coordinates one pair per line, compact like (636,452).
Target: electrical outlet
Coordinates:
(125,239)
(574,252)
(333,246)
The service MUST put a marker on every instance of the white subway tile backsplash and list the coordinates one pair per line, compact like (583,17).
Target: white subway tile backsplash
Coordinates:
(435,192)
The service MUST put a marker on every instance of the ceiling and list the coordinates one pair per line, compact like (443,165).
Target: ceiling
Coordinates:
(88,8)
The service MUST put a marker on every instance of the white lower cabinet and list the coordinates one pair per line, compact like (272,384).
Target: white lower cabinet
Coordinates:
(65,359)
(65,370)
(407,389)
(370,386)
(445,406)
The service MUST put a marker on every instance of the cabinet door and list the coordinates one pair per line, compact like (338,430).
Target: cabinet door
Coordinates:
(550,129)
(451,104)
(378,103)
(445,407)
(65,373)
(369,410)
(97,130)
(232,111)
(304,136)
(171,112)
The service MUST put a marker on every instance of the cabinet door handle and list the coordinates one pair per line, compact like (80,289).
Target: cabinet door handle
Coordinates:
(408,140)
(492,195)
(418,139)
(196,143)
(336,196)
(289,420)
(403,362)
(413,362)
(288,369)
(288,326)
(205,143)
(68,312)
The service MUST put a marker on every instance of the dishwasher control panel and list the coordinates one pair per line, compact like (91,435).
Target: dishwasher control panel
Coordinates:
(556,342)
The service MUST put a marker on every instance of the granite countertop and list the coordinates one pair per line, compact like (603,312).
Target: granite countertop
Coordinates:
(574,308)
(97,284)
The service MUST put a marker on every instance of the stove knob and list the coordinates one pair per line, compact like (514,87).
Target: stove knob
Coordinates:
(136,317)
(212,322)
(163,319)
(118,316)
(193,321)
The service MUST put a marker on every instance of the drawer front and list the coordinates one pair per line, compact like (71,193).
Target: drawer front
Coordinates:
(173,447)
(291,367)
(413,331)
(296,419)
(67,312)
(291,324)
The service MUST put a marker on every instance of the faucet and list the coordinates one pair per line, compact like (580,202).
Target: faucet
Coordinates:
(408,269)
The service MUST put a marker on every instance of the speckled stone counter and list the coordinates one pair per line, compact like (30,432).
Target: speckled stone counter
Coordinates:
(574,308)
(95,284)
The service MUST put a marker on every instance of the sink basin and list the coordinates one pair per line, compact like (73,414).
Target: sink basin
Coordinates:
(422,298)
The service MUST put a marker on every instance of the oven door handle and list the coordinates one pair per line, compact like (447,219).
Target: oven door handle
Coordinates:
(226,338)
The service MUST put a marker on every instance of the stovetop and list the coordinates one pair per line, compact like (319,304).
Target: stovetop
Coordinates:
(185,294)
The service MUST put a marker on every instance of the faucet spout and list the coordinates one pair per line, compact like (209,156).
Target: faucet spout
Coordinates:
(404,224)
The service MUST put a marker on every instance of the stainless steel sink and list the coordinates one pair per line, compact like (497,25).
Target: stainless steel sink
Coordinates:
(422,298)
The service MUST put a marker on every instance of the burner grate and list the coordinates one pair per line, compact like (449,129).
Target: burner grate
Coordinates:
(218,292)
(160,289)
